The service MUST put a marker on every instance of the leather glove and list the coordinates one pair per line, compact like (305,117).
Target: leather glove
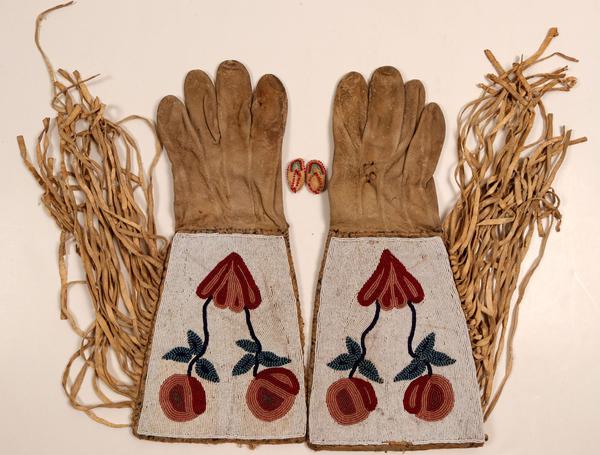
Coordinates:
(225,361)
(391,364)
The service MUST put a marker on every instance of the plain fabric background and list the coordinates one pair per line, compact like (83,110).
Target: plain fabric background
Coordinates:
(143,50)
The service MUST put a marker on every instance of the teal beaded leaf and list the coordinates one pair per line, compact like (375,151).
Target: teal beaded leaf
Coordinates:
(247,345)
(425,346)
(179,354)
(243,365)
(206,370)
(342,362)
(426,353)
(194,341)
(353,347)
(270,359)
(413,370)
(439,359)
(369,371)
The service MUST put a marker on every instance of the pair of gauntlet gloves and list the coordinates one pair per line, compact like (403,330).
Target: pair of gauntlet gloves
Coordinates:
(390,362)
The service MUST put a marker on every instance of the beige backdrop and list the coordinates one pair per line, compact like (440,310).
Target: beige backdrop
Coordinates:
(143,48)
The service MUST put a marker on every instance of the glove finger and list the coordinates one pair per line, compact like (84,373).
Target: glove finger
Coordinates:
(425,148)
(269,113)
(414,100)
(234,95)
(185,153)
(350,113)
(384,114)
(349,119)
(177,133)
(201,104)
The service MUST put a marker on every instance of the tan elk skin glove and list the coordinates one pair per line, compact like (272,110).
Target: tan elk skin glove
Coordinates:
(225,361)
(391,364)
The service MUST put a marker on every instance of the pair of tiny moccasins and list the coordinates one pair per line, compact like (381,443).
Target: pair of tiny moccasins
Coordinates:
(312,173)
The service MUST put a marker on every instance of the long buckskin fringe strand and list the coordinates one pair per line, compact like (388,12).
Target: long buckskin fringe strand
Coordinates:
(96,191)
(505,197)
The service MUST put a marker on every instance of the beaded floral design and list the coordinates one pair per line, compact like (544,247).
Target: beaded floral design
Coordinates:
(430,396)
(272,391)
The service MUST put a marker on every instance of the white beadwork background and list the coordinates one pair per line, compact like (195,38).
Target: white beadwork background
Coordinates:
(275,322)
(143,48)
(350,262)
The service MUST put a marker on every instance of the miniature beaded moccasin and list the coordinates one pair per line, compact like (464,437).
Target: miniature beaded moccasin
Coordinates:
(316,176)
(296,174)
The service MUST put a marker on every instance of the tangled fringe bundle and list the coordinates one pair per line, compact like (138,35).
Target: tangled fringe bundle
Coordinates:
(95,189)
(505,198)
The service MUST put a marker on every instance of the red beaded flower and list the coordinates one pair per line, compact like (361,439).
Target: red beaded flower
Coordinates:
(391,285)
(182,398)
(429,397)
(230,284)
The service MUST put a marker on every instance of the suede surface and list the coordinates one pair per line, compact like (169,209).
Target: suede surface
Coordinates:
(387,145)
(224,144)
